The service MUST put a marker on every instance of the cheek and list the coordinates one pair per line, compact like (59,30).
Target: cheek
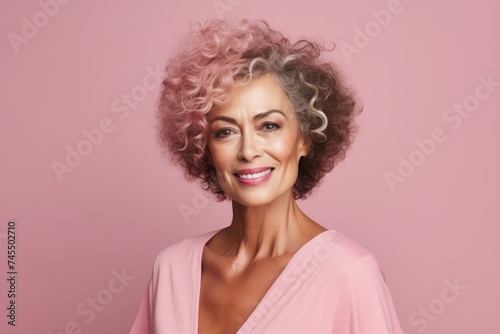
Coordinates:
(285,149)
(219,156)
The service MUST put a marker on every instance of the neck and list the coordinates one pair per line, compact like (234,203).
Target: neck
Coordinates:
(269,230)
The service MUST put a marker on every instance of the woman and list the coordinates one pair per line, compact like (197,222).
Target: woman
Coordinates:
(259,121)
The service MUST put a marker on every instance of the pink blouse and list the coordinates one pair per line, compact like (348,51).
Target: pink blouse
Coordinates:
(330,285)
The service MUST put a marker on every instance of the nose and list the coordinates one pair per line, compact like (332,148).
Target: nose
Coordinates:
(250,148)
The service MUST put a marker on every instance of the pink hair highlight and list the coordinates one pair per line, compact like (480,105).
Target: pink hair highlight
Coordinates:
(220,54)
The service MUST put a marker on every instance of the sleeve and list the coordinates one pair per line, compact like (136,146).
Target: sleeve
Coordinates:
(143,323)
(365,305)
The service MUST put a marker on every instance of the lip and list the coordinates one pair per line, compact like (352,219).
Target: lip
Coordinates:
(252,170)
(256,181)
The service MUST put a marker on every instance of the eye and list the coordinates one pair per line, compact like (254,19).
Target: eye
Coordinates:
(223,133)
(270,126)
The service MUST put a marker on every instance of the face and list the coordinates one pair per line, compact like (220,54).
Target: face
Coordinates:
(254,143)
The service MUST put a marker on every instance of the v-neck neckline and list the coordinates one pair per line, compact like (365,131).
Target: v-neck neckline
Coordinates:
(207,237)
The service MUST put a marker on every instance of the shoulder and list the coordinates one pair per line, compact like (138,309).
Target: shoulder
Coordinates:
(182,251)
(347,257)
(342,246)
(355,280)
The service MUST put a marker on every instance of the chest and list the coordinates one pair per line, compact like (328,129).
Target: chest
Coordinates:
(225,304)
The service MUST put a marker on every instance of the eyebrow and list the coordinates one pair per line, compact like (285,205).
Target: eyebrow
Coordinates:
(256,117)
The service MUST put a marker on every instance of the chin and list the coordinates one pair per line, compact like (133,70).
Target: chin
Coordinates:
(260,197)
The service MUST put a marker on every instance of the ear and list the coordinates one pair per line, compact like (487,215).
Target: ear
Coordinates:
(302,147)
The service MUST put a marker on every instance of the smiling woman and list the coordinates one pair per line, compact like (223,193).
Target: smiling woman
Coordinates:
(254,143)
(259,121)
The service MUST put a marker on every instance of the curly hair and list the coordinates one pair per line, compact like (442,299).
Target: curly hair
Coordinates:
(220,54)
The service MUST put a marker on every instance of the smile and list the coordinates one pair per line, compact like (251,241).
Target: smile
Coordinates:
(255,175)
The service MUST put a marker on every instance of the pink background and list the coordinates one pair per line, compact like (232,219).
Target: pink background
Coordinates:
(122,203)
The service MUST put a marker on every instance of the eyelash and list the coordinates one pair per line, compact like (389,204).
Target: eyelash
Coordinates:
(219,134)
(276,126)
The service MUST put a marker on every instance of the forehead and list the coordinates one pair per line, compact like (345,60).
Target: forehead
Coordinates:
(261,94)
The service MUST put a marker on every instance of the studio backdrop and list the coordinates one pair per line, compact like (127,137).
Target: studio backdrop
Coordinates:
(87,200)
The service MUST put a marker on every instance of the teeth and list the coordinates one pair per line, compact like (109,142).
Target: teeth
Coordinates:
(256,175)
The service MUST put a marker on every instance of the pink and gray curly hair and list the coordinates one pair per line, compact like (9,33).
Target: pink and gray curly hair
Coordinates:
(221,54)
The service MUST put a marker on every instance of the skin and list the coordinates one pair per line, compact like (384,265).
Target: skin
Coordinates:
(255,128)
